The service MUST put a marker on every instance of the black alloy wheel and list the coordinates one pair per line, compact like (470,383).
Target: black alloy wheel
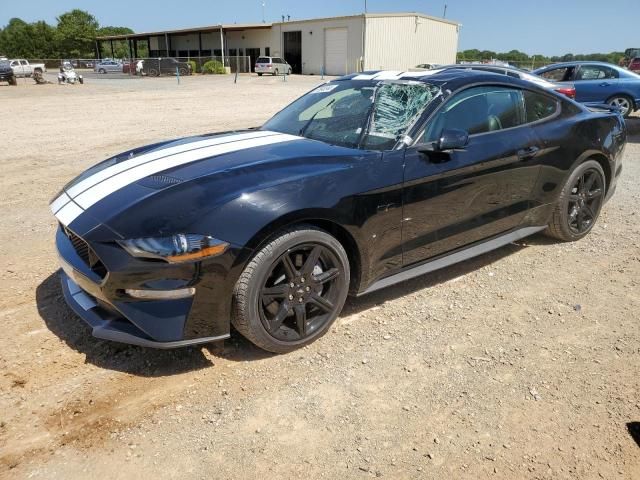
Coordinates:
(292,291)
(585,201)
(301,291)
(579,204)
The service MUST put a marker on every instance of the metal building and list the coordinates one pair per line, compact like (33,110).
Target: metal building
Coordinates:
(333,46)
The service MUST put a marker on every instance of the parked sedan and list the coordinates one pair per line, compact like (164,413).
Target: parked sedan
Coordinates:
(597,83)
(365,181)
(108,66)
(565,88)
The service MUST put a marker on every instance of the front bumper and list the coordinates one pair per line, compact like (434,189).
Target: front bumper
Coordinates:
(98,296)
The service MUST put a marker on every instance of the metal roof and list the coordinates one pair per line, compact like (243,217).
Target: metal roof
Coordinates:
(208,28)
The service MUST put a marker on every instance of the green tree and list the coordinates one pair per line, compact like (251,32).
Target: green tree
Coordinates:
(76,34)
(120,47)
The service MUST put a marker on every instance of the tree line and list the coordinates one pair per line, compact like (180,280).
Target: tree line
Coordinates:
(524,60)
(73,36)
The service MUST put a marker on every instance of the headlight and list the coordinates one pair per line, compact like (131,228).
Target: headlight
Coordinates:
(175,249)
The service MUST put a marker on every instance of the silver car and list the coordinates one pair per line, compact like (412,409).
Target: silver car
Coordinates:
(107,66)
(272,66)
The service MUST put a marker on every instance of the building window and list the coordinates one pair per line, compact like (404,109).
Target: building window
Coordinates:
(267,51)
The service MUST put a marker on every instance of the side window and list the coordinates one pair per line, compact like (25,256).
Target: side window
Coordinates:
(595,72)
(538,106)
(562,74)
(478,110)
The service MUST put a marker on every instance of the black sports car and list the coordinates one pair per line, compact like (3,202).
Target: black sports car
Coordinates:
(363,182)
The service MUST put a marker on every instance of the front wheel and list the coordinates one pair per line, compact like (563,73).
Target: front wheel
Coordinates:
(183,72)
(292,290)
(289,72)
(624,103)
(13,81)
(579,204)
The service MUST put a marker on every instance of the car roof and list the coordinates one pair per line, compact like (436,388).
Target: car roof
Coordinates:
(581,62)
(452,78)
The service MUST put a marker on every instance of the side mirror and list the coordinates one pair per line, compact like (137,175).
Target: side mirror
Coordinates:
(452,140)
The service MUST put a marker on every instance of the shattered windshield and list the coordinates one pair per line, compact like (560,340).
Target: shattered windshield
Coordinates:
(357,114)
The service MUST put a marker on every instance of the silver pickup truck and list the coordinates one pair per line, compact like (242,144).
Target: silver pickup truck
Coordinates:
(22,67)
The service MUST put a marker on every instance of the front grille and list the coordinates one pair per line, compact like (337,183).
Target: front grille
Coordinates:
(86,253)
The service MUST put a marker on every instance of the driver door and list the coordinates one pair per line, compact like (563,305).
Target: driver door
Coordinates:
(455,198)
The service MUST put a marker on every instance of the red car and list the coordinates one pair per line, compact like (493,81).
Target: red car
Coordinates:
(634,65)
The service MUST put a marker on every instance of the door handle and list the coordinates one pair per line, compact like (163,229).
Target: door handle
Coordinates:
(528,152)
(605,84)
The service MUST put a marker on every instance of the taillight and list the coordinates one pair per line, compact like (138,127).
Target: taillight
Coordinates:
(569,92)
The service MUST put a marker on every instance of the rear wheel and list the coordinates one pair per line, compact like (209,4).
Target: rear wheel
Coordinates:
(275,72)
(579,204)
(624,103)
(102,70)
(259,74)
(13,81)
(292,291)
(183,71)
(153,72)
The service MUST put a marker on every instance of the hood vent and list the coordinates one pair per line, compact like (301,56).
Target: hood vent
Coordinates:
(158,182)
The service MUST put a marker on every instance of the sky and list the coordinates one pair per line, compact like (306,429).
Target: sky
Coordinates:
(547,27)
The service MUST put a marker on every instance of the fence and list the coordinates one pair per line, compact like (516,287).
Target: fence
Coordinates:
(143,67)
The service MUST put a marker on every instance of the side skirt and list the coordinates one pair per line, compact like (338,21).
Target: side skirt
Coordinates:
(450,259)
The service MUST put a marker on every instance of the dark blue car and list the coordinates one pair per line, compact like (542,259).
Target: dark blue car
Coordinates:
(365,181)
(598,83)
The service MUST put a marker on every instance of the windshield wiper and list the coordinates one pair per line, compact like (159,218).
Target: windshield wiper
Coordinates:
(313,117)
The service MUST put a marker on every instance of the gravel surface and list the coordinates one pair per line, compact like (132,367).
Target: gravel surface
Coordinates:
(522,363)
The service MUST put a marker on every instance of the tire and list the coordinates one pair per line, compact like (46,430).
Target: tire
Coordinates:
(183,72)
(13,81)
(153,72)
(102,71)
(624,103)
(289,72)
(275,72)
(281,306)
(259,74)
(570,220)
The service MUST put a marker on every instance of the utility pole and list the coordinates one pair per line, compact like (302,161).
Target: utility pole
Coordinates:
(365,6)
(263,12)
(444,15)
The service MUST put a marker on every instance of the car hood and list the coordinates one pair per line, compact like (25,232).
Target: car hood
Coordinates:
(198,171)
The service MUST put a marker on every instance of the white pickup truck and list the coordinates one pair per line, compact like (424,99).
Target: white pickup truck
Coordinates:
(22,67)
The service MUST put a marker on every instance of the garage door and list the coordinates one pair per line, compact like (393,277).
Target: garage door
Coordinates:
(335,51)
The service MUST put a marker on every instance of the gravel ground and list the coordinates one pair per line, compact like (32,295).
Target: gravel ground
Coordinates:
(522,363)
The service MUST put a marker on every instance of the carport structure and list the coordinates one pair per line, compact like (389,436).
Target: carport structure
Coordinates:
(211,41)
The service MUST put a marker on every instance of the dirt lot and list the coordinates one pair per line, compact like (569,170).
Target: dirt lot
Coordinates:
(523,363)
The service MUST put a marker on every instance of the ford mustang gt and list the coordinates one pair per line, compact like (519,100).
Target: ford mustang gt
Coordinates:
(363,182)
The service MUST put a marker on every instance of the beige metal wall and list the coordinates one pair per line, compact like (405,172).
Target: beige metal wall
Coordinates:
(402,42)
(313,42)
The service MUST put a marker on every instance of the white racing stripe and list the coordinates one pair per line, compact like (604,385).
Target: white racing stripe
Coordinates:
(158,154)
(68,213)
(71,210)
(60,202)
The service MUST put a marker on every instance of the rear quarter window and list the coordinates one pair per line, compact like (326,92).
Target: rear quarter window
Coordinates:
(538,106)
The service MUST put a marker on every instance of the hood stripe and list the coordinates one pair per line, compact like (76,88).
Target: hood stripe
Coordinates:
(71,210)
(158,154)
(60,202)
